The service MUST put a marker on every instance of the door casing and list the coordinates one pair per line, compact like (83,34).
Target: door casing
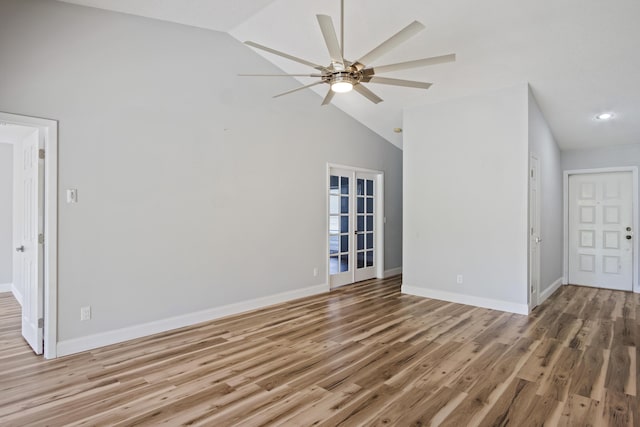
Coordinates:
(565,195)
(534,231)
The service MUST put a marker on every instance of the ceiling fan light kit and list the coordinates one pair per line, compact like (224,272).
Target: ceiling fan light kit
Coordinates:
(342,82)
(343,75)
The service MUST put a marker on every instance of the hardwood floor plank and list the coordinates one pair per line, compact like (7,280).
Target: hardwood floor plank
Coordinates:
(619,370)
(587,373)
(556,385)
(360,355)
(579,411)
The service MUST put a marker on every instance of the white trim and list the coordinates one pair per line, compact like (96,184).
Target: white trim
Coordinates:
(89,342)
(493,304)
(49,129)
(352,168)
(534,217)
(392,272)
(565,196)
(549,291)
(16,294)
(380,223)
(6,287)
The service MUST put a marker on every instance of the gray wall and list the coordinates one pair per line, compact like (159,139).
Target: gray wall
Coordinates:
(621,155)
(6,213)
(608,157)
(543,144)
(465,199)
(196,188)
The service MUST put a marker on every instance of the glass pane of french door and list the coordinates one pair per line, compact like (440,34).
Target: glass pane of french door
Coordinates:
(365,226)
(365,222)
(339,211)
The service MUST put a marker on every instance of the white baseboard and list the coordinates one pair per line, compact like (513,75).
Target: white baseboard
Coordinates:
(77,345)
(392,272)
(5,287)
(494,304)
(549,291)
(16,294)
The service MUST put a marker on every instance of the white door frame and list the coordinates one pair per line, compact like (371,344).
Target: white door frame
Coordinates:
(534,217)
(49,129)
(565,196)
(379,225)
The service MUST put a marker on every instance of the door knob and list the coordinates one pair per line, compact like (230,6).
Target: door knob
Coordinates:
(628,237)
(20,249)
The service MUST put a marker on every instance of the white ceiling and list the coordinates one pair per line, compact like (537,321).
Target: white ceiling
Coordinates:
(219,15)
(581,57)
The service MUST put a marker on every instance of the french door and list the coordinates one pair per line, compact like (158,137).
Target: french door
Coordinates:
(353,213)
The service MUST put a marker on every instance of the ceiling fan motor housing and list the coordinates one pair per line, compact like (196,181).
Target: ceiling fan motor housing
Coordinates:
(352,77)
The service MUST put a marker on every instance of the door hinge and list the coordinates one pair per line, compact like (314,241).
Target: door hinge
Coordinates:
(41,238)
(40,323)
(531,173)
(41,154)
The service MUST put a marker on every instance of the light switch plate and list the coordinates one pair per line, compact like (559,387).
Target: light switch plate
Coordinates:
(72,195)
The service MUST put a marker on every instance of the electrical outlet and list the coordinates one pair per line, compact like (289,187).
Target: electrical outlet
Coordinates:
(459,279)
(85,313)
(315,271)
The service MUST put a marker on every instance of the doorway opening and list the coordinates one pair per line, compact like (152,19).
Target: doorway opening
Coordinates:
(355,226)
(601,209)
(35,171)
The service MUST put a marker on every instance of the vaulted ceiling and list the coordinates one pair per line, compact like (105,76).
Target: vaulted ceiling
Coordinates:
(581,57)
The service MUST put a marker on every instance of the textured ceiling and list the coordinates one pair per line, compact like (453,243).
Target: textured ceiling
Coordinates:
(581,57)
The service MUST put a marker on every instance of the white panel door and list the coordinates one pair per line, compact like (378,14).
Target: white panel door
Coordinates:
(30,249)
(600,230)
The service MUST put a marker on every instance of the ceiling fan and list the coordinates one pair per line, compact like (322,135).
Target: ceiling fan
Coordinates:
(343,75)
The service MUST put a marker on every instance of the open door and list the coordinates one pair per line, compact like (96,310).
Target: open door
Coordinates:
(31,238)
(356,225)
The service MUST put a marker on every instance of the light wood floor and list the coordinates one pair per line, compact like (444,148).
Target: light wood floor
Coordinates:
(362,355)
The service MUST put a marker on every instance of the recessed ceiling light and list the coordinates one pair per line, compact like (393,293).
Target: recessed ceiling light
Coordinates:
(604,116)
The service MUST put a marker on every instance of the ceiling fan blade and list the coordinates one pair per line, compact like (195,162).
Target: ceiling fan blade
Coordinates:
(367,94)
(298,88)
(330,38)
(399,82)
(327,99)
(415,64)
(342,29)
(284,55)
(280,75)
(400,37)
